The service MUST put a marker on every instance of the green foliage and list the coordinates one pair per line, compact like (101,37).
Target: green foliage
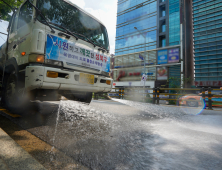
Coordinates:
(5,9)
(149,99)
(175,82)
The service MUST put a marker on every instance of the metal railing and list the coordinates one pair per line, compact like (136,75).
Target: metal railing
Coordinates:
(174,95)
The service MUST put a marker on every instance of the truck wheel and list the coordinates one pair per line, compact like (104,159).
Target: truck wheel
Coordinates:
(85,99)
(12,100)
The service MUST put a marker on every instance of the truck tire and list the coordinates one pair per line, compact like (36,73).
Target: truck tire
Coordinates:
(12,99)
(85,99)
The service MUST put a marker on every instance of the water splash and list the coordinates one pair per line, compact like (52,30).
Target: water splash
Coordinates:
(153,111)
(52,152)
(99,139)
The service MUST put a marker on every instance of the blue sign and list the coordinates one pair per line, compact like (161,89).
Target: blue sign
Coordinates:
(173,55)
(63,50)
(162,57)
(149,74)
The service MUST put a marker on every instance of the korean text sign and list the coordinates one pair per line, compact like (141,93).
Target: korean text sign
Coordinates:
(162,57)
(173,55)
(66,51)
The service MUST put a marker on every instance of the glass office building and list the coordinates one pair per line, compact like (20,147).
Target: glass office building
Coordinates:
(131,43)
(135,13)
(174,22)
(152,26)
(207,25)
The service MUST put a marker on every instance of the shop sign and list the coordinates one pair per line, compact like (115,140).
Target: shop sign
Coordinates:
(162,57)
(173,55)
(162,73)
(208,83)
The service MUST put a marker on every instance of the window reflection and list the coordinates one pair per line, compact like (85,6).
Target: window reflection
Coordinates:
(25,14)
(61,13)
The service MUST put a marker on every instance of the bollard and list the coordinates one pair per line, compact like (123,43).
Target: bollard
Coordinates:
(158,95)
(203,95)
(154,96)
(209,98)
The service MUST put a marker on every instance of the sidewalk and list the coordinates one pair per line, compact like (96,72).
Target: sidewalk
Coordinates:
(13,157)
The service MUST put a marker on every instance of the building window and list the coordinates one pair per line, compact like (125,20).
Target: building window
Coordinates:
(162,11)
(163,28)
(174,22)
(164,42)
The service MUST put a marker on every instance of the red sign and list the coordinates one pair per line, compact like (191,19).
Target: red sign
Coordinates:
(114,84)
(208,83)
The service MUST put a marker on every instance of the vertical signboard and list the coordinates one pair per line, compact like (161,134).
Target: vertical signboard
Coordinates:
(162,57)
(162,73)
(173,55)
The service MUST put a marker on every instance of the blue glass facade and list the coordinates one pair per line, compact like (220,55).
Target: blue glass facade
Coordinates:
(174,22)
(207,15)
(159,21)
(135,13)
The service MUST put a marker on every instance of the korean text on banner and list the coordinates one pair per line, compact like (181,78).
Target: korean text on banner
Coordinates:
(67,51)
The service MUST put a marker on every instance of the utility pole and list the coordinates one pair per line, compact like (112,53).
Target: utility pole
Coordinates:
(143,59)
(181,54)
(144,52)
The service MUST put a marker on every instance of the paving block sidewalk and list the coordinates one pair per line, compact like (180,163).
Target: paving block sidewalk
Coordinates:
(13,157)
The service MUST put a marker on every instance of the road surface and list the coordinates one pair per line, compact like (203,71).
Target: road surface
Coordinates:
(125,135)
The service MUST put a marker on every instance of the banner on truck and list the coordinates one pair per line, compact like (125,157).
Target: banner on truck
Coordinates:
(69,52)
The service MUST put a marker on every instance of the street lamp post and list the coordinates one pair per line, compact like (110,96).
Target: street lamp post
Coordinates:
(143,58)
(144,52)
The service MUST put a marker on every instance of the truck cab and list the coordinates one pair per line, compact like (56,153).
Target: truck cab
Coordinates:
(54,47)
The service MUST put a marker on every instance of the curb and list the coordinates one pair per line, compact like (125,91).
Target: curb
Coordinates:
(14,157)
(3,165)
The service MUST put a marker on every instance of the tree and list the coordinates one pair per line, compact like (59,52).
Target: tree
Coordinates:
(5,9)
(175,82)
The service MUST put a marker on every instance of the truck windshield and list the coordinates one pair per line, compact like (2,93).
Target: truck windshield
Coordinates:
(62,13)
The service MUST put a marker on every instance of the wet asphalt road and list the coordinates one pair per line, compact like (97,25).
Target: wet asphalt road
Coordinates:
(121,135)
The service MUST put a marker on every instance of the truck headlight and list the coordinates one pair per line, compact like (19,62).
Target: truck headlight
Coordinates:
(35,58)
(54,62)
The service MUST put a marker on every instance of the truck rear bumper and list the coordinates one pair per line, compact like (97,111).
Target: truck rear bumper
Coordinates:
(36,78)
